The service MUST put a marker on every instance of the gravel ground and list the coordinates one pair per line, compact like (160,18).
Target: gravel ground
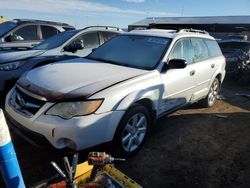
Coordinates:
(193,147)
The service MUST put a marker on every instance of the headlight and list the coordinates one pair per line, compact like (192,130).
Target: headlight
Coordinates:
(68,110)
(11,66)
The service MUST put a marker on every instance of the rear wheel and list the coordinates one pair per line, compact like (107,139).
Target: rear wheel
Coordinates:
(212,94)
(133,129)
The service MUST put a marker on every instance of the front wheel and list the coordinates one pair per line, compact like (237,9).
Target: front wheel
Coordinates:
(212,94)
(132,130)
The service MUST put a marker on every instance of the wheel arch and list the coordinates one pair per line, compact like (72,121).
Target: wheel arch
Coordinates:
(219,77)
(147,98)
(149,105)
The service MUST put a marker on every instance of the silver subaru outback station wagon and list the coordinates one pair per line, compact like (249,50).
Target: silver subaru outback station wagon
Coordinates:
(116,92)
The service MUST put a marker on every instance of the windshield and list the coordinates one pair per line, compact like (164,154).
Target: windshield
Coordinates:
(6,27)
(56,40)
(136,51)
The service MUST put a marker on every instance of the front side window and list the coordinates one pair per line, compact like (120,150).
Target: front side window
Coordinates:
(183,50)
(136,51)
(56,40)
(48,31)
(26,33)
(90,40)
(200,49)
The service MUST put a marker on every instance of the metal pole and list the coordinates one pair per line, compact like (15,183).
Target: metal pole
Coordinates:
(9,166)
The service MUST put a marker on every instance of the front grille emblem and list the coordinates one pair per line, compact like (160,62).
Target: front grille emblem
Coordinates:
(21,101)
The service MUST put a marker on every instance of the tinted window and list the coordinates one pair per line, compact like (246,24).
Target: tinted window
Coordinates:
(26,33)
(48,31)
(56,40)
(213,47)
(6,27)
(200,49)
(131,50)
(90,40)
(107,35)
(183,50)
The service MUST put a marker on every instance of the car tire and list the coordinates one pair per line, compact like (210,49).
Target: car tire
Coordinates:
(212,94)
(132,130)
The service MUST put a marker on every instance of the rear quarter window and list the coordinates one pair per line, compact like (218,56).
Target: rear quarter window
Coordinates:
(213,48)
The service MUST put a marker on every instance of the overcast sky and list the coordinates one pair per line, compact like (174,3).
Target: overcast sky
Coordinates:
(121,13)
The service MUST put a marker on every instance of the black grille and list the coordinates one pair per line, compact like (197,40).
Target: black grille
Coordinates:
(27,103)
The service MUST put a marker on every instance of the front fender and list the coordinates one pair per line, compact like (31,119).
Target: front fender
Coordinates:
(153,94)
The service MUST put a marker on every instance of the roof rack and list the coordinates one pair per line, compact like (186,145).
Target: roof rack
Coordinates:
(105,27)
(193,31)
(42,21)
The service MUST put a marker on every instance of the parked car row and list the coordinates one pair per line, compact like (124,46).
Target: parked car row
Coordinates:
(63,46)
(115,93)
(25,33)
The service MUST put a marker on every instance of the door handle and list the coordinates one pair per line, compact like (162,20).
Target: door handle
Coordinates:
(192,72)
(212,66)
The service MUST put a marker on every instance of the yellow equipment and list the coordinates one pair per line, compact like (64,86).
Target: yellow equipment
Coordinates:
(97,172)
(2,19)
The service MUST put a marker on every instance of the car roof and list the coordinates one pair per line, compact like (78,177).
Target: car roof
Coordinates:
(103,28)
(172,33)
(22,21)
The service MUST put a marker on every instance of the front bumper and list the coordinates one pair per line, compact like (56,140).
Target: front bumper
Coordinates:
(76,133)
(28,135)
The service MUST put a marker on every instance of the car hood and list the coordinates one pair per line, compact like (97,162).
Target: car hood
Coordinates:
(75,79)
(9,56)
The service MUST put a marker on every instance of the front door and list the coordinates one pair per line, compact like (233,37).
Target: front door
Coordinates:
(90,40)
(178,84)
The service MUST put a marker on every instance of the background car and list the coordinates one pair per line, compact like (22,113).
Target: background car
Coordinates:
(66,45)
(237,53)
(118,91)
(26,33)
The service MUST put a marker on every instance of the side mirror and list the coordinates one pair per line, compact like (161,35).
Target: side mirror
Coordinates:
(78,45)
(12,37)
(177,64)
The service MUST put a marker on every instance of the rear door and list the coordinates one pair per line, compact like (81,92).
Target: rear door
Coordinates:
(204,68)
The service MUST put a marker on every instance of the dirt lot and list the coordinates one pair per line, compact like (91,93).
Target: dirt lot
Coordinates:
(193,147)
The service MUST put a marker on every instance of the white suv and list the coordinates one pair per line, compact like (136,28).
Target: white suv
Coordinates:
(117,92)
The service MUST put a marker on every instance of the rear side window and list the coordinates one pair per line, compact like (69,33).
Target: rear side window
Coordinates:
(200,49)
(213,47)
(107,35)
(26,33)
(48,31)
